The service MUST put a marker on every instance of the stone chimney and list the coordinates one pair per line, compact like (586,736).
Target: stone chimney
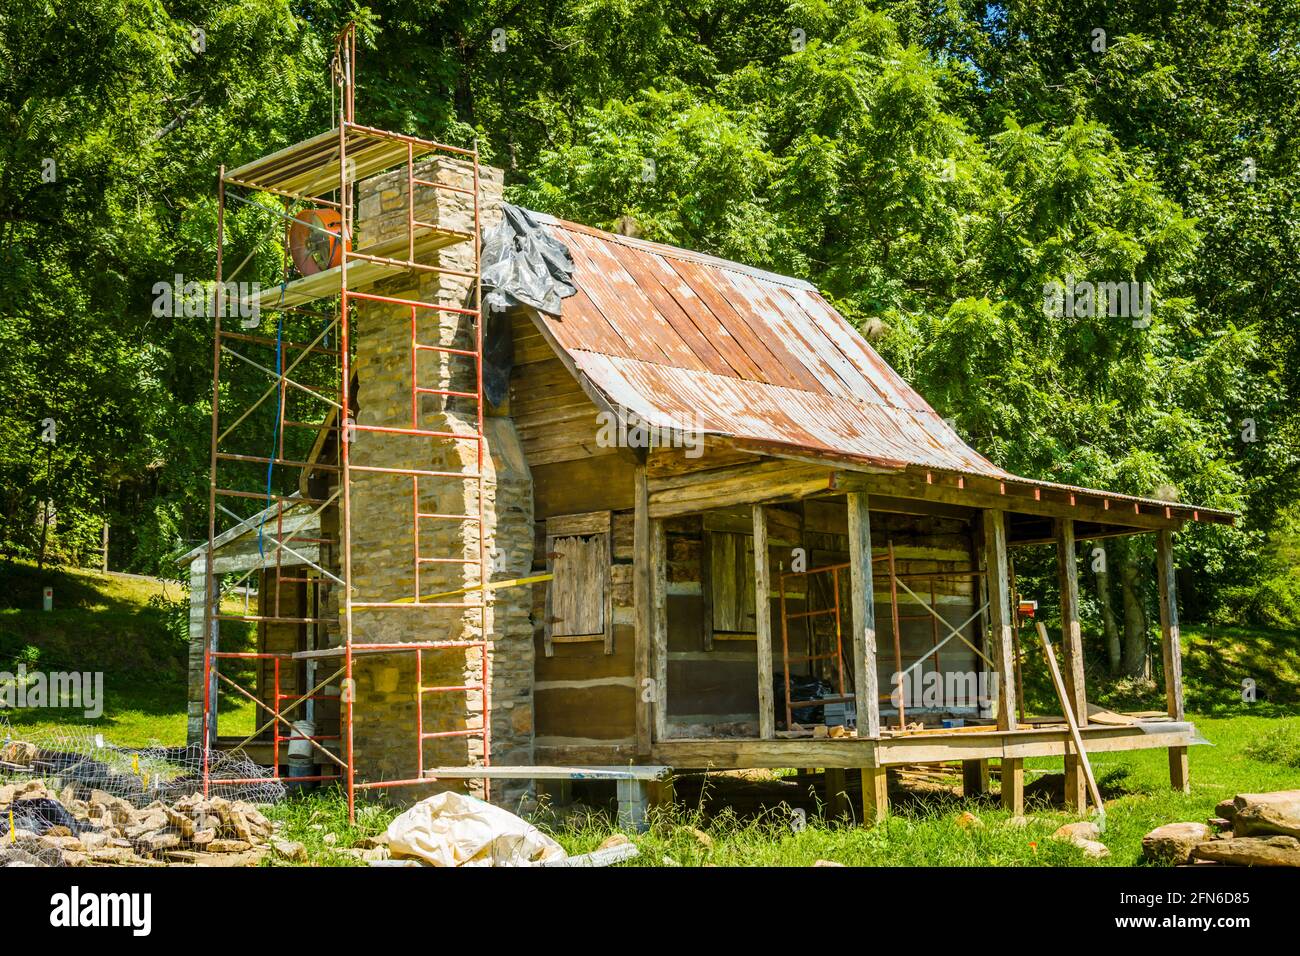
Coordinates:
(386,535)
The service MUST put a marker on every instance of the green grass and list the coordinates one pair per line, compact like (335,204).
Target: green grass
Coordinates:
(127,627)
(1280,745)
(131,628)
(1135,786)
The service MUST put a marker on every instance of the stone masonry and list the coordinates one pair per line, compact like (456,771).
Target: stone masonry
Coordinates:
(384,526)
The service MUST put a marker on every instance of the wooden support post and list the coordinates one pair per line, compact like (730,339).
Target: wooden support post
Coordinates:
(659,625)
(1000,639)
(974,778)
(1171,651)
(837,801)
(1179,777)
(875,794)
(763,619)
(642,560)
(866,682)
(1013,785)
(661,793)
(1072,650)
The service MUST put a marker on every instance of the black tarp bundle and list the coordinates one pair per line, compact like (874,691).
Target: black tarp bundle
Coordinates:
(523,264)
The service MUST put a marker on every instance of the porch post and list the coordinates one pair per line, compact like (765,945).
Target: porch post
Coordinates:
(641,596)
(1072,649)
(1171,651)
(866,683)
(659,624)
(763,618)
(1000,649)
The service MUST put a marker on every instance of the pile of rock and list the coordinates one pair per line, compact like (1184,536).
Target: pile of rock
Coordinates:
(97,828)
(1251,829)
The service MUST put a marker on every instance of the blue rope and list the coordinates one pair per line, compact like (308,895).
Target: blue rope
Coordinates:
(270,465)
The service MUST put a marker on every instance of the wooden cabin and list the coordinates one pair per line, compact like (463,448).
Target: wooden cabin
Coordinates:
(761,548)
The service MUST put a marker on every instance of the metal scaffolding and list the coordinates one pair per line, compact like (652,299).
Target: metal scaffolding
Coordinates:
(322,390)
(833,610)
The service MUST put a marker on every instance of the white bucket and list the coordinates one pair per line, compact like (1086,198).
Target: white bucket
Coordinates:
(301,748)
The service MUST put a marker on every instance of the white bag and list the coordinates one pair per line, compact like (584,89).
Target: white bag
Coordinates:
(453,829)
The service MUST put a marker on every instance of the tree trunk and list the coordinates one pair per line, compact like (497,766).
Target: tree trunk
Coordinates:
(45,534)
(1135,621)
(1113,648)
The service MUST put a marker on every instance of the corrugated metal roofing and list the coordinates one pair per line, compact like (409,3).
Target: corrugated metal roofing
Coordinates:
(691,342)
(700,344)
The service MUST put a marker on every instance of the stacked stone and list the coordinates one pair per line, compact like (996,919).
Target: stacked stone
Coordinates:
(383,524)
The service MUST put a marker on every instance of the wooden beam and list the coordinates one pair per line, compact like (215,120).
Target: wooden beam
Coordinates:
(866,682)
(875,794)
(1075,735)
(985,495)
(974,778)
(763,619)
(1013,786)
(738,485)
(1072,651)
(835,780)
(659,625)
(1000,638)
(852,752)
(1172,652)
(1169,646)
(641,595)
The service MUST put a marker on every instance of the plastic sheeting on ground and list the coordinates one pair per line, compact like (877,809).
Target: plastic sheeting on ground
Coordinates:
(453,829)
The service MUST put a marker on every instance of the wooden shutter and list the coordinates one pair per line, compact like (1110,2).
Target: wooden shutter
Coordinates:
(579,599)
(729,573)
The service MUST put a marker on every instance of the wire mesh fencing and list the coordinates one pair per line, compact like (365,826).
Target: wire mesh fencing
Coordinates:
(84,759)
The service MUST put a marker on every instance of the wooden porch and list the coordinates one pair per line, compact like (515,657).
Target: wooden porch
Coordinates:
(1003,518)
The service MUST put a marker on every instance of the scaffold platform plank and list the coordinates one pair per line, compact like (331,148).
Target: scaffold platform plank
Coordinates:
(310,169)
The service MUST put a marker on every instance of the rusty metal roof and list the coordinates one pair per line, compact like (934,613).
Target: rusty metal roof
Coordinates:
(699,344)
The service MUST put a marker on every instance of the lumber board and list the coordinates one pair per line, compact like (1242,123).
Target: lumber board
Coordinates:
(987,496)
(734,753)
(761,482)
(659,624)
(1170,647)
(1001,645)
(642,546)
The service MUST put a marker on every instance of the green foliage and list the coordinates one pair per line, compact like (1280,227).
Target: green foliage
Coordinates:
(932,169)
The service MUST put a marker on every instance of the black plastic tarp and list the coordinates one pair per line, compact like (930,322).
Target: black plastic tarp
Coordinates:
(523,264)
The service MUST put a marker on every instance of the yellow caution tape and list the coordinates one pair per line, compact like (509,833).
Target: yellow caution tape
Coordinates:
(490,586)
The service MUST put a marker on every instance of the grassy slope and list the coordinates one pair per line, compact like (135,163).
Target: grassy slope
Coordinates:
(131,628)
(106,623)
